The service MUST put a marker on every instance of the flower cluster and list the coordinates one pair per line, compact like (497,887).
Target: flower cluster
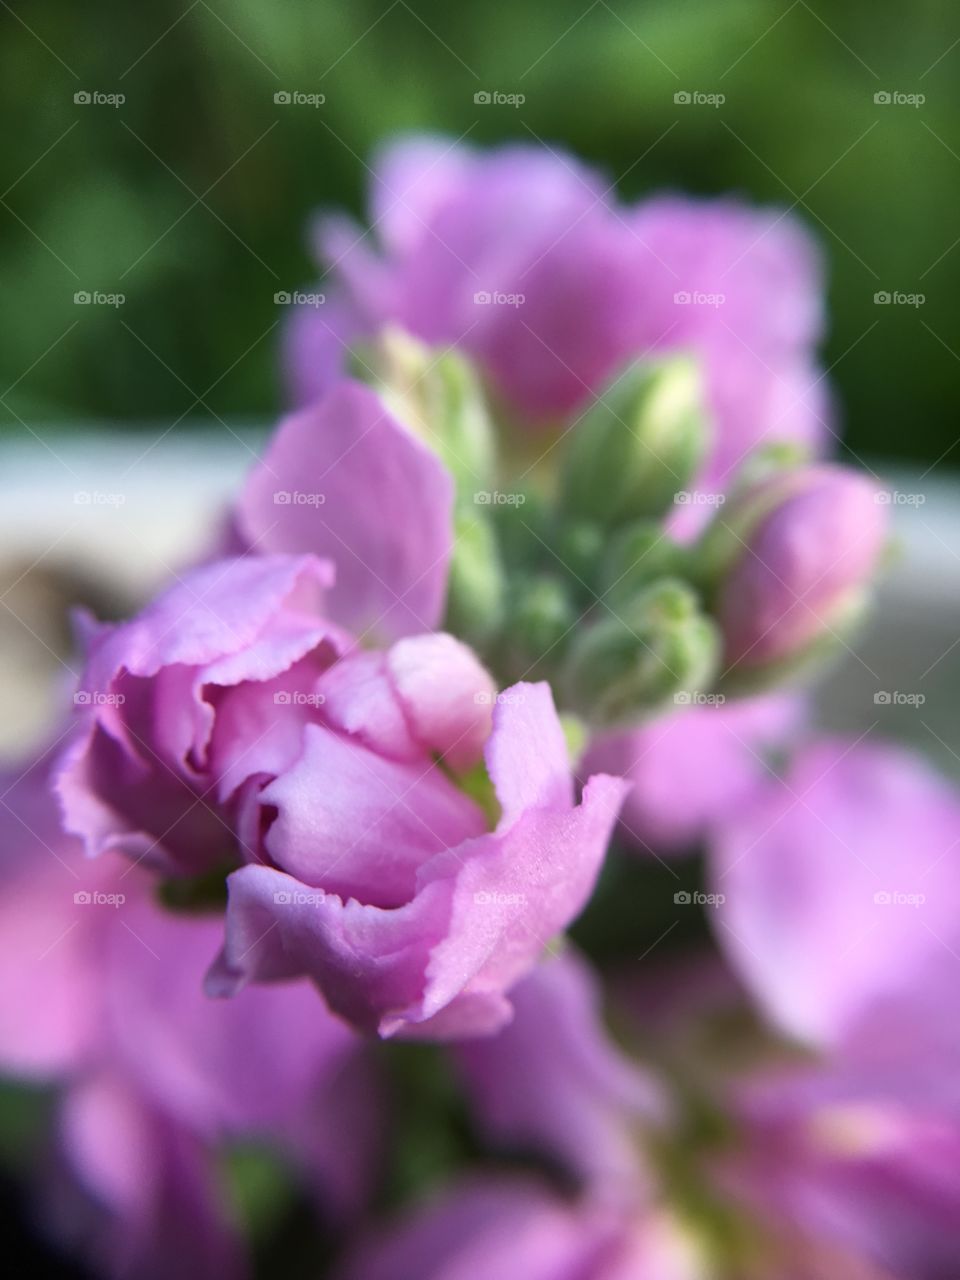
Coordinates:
(535,568)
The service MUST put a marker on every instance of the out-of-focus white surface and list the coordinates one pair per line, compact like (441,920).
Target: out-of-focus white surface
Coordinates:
(134,507)
(128,510)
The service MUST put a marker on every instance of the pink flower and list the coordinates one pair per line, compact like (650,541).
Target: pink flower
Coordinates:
(841,886)
(156,754)
(807,544)
(691,767)
(505,253)
(553,1081)
(229,722)
(383,883)
(487,1229)
(101,996)
(344,480)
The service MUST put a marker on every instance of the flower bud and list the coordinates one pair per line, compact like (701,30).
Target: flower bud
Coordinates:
(542,618)
(624,667)
(438,397)
(476,584)
(637,446)
(807,546)
(635,556)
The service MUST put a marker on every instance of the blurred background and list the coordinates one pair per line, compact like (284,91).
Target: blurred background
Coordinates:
(191,197)
(146,157)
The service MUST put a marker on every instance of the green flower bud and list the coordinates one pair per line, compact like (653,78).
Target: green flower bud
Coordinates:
(438,396)
(542,618)
(476,586)
(635,556)
(638,446)
(626,667)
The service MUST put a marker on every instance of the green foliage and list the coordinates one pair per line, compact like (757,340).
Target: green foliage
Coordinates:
(105,198)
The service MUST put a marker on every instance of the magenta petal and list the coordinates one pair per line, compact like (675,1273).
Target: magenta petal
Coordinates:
(691,767)
(163,1210)
(359,825)
(447,696)
(526,755)
(515,891)
(555,1081)
(344,479)
(842,892)
(489,1230)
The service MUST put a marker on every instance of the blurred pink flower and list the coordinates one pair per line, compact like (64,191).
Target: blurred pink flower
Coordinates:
(504,253)
(803,565)
(101,996)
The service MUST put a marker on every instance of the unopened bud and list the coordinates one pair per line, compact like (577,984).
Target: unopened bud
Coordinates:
(542,619)
(806,547)
(476,584)
(625,667)
(639,445)
(437,395)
